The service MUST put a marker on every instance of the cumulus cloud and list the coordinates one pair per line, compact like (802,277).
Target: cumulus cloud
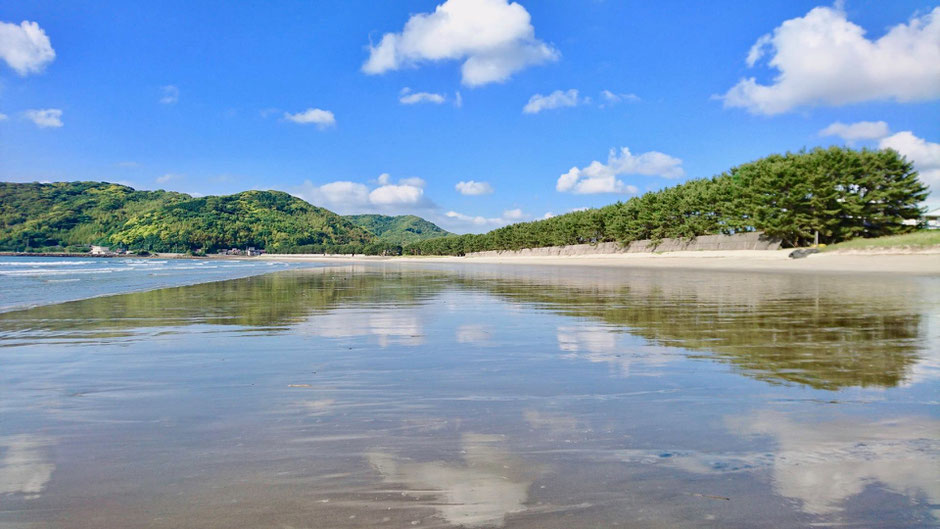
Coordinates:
(556,99)
(471,187)
(924,154)
(602,178)
(3,117)
(407,97)
(45,118)
(493,38)
(396,195)
(348,197)
(824,59)
(25,47)
(862,130)
(322,118)
(171,94)
(478,221)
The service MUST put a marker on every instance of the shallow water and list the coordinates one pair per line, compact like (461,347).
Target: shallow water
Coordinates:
(31,281)
(407,396)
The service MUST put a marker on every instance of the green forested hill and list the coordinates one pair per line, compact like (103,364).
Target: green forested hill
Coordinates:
(403,229)
(69,215)
(273,220)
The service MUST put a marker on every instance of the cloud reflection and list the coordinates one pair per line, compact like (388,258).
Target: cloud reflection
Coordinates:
(600,344)
(396,326)
(24,468)
(823,464)
(481,492)
(472,333)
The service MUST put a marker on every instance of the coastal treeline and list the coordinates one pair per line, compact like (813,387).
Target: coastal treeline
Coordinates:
(70,216)
(839,193)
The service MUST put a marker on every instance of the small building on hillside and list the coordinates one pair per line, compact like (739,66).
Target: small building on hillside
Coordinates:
(933,219)
(100,250)
(252,251)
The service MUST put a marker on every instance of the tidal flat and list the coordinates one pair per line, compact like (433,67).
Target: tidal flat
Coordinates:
(441,395)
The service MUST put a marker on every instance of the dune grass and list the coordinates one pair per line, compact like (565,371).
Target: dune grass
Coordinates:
(916,240)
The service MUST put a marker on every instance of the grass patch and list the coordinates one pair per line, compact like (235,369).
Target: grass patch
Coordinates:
(916,240)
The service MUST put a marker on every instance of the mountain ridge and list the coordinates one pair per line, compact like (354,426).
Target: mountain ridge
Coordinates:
(69,216)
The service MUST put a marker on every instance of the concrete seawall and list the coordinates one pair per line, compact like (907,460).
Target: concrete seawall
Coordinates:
(738,241)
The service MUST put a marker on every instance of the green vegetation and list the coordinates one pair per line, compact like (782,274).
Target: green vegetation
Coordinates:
(915,240)
(840,193)
(400,230)
(69,216)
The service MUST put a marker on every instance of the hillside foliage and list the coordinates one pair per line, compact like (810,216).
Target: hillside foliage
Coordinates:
(401,230)
(70,216)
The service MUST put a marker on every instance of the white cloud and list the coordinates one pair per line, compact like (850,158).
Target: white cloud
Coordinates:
(513,214)
(167,177)
(410,98)
(602,178)
(171,94)
(3,117)
(458,100)
(493,38)
(823,59)
(322,118)
(390,195)
(341,196)
(348,197)
(862,130)
(611,98)
(508,217)
(924,154)
(471,187)
(548,215)
(556,99)
(45,118)
(25,47)
(412,181)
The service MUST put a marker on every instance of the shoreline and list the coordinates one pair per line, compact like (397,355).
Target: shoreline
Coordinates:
(925,263)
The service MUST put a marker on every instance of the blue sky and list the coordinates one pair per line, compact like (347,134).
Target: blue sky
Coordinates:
(312,97)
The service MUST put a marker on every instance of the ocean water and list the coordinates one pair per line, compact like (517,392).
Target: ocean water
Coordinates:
(389,395)
(32,281)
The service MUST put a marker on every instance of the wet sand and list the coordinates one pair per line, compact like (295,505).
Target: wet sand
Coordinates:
(891,262)
(461,395)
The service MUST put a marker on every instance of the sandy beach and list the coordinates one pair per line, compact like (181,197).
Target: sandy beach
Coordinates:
(895,262)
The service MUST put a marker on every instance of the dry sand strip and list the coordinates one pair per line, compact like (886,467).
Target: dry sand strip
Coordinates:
(899,262)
